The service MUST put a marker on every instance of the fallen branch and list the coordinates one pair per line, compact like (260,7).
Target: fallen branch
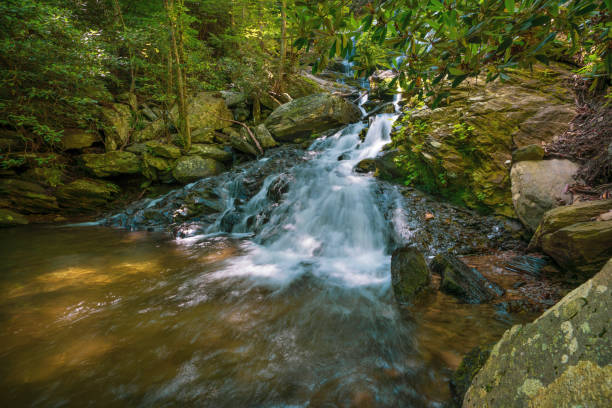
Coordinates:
(244,125)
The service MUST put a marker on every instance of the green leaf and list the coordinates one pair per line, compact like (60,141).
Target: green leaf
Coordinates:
(546,40)
(509,5)
(455,71)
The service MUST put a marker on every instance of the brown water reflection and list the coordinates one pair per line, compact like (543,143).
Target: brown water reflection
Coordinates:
(100,317)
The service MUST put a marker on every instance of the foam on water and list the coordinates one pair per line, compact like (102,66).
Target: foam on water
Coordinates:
(329,224)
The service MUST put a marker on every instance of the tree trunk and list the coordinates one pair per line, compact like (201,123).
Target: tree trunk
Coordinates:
(283,47)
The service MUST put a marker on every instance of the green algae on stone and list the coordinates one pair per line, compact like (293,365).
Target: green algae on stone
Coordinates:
(111,164)
(86,194)
(193,168)
(409,273)
(10,218)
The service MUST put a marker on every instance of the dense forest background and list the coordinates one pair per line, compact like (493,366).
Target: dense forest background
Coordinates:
(62,60)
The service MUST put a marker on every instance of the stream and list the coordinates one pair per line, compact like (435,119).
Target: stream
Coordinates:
(277,294)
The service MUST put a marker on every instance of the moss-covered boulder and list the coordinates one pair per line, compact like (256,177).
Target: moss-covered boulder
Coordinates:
(239,141)
(561,217)
(26,197)
(463,282)
(152,131)
(193,168)
(264,137)
(462,150)
(210,151)
(117,119)
(79,139)
(531,152)
(86,194)
(538,186)
(561,359)
(10,218)
(409,273)
(315,113)
(45,176)
(583,247)
(206,110)
(299,86)
(168,151)
(111,164)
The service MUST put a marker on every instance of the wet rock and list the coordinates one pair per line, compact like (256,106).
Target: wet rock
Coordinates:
(386,167)
(365,166)
(470,365)
(86,194)
(111,163)
(229,220)
(538,186)
(192,168)
(10,218)
(531,152)
(264,137)
(117,128)
(27,197)
(167,151)
(561,217)
(210,151)
(409,273)
(78,139)
(206,110)
(279,187)
(560,359)
(315,113)
(463,282)
(583,247)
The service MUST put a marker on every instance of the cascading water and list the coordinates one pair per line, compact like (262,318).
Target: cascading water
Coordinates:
(329,222)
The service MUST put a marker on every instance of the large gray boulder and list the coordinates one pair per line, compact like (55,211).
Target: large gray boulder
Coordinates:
(538,186)
(562,359)
(409,273)
(193,168)
(311,114)
(206,110)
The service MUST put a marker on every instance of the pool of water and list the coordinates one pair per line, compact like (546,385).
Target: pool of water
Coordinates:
(103,317)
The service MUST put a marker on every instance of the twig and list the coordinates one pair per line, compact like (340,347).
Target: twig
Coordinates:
(244,125)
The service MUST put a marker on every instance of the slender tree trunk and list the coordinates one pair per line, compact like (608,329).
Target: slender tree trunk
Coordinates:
(283,47)
(177,48)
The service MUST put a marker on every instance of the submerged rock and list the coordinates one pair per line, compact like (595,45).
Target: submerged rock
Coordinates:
(192,168)
(538,186)
(409,273)
(463,282)
(315,113)
(10,218)
(561,359)
(111,163)
(583,247)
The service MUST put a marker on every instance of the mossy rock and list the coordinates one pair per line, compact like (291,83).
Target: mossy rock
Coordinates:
(206,110)
(531,152)
(192,168)
(564,216)
(409,273)
(79,139)
(111,164)
(46,176)
(315,113)
(164,150)
(10,218)
(470,365)
(86,194)
(583,247)
(117,127)
(210,151)
(560,359)
(27,197)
